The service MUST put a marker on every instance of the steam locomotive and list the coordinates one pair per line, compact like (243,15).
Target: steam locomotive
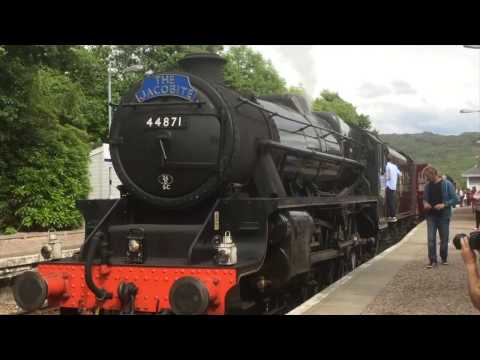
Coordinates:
(230,203)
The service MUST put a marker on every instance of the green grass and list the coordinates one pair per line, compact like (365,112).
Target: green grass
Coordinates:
(450,154)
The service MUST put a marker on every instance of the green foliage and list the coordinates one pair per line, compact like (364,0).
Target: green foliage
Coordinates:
(155,57)
(89,72)
(9,230)
(331,102)
(56,96)
(451,155)
(43,168)
(247,71)
(297,90)
(46,189)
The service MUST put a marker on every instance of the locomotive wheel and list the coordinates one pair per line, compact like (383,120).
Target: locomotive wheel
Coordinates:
(361,255)
(377,245)
(354,259)
(329,273)
(348,263)
(375,248)
(343,267)
(351,261)
(305,293)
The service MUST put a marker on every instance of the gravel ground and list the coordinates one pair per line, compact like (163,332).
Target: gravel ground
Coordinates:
(8,309)
(7,303)
(439,291)
(416,291)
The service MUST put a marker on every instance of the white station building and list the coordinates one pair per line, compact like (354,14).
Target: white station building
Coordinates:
(103,178)
(473,177)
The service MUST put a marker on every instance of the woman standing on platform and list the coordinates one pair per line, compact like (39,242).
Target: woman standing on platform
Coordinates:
(461,195)
(472,198)
(476,207)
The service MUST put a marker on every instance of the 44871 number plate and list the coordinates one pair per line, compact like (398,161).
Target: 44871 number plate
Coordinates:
(166,122)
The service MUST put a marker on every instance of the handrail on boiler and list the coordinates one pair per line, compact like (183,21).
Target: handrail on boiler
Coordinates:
(306,125)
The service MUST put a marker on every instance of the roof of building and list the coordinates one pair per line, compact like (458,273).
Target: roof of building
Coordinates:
(474,171)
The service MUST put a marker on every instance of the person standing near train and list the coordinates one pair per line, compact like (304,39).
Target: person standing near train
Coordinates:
(461,195)
(438,198)
(391,176)
(476,207)
(475,197)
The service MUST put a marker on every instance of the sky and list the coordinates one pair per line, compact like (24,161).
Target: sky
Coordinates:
(404,89)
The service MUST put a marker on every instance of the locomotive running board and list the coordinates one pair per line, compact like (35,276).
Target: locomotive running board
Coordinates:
(324,255)
(299,202)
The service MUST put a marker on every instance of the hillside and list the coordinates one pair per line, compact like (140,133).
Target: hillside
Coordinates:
(451,154)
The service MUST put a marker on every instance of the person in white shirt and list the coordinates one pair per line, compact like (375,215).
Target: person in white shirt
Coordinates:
(460,197)
(391,176)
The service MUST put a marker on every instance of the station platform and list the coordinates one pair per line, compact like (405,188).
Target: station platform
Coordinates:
(19,252)
(22,244)
(396,282)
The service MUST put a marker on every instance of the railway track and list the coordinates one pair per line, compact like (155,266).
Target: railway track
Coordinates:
(43,311)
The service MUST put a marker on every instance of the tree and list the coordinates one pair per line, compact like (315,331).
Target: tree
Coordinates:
(44,146)
(89,71)
(84,66)
(155,57)
(331,102)
(297,90)
(247,71)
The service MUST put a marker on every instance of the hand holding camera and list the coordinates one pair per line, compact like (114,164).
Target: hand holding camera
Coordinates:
(467,244)
(439,206)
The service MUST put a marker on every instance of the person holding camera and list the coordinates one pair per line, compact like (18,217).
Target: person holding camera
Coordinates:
(438,198)
(467,244)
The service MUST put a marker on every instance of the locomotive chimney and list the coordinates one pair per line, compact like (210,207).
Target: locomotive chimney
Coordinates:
(207,66)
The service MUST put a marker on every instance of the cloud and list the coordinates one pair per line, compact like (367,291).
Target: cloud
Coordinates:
(401,87)
(301,57)
(369,90)
(472,105)
(390,118)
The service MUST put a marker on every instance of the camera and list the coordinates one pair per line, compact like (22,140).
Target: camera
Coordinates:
(474,240)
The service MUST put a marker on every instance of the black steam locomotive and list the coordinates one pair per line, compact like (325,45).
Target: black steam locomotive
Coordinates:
(230,203)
